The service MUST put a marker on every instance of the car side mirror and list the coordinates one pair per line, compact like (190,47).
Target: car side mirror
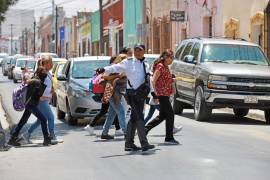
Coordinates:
(190,59)
(62,77)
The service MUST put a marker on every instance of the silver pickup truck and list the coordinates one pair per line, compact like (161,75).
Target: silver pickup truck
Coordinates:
(219,73)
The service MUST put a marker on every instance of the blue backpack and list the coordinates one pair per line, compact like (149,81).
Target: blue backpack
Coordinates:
(19,97)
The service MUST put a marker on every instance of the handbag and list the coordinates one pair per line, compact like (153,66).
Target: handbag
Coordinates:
(141,93)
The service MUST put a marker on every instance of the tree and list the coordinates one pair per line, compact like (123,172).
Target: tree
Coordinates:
(4,5)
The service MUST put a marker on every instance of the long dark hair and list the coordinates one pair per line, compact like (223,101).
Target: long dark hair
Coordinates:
(40,73)
(165,54)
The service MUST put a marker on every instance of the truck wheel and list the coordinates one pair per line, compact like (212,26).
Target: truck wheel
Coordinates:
(267,116)
(240,113)
(201,111)
(70,119)
(60,114)
(177,105)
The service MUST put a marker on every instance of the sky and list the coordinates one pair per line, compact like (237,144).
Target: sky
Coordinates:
(43,7)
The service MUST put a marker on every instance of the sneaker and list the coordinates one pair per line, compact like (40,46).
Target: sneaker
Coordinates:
(54,139)
(90,130)
(132,147)
(119,133)
(14,142)
(147,147)
(5,148)
(48,142)
(106,137)
(26,137)
(177,129)
(171,142)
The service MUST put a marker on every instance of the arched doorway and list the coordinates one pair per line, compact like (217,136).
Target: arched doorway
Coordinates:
(257,26)
(232,28)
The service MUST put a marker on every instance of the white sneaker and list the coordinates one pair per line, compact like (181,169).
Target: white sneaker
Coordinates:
(119,133)
(26,137)
(177,129)
(90,130)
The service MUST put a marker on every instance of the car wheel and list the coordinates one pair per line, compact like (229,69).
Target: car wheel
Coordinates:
(5,73)
(60,114)
(267,116)
(9,76)
(15,80)
(54,100)
(201,111)
(177,105)
(240,113)
(70,119)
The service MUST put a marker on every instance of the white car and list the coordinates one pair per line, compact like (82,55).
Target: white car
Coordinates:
(27,64)
(2,56)
(41,54)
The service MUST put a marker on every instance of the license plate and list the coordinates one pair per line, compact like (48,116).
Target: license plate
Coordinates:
(251,99)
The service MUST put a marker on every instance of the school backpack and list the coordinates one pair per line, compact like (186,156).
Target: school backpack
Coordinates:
(19,97)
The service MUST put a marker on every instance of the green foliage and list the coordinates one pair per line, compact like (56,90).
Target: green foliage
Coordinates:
(4,5)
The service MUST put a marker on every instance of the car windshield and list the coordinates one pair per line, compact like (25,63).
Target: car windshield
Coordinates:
(21,63)
(237,54)
(31,64)
(86,69)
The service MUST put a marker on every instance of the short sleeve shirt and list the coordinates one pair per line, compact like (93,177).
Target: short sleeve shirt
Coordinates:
(165,81)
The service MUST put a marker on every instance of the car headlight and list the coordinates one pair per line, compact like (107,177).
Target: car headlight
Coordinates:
(76,92)
(217,78)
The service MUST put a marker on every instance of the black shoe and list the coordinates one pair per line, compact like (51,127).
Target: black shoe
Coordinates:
(148,147)
(106,137)
(14,142)
(132,147)
(48,142)
(171,142)
(5,148)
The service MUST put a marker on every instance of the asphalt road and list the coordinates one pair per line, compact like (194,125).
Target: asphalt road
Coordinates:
(224,148)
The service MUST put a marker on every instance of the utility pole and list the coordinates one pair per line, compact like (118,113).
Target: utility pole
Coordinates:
(56,29)
(26,40)
(34,38)
(101,47)
(11,39)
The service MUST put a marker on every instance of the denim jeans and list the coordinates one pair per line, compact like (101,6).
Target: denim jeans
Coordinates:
(151,112)
(45,109)
(27,113)
(115,109)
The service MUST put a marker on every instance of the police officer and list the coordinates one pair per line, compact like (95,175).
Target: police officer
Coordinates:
(134,68)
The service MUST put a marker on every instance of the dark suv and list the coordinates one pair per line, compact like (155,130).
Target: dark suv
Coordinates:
(220,73)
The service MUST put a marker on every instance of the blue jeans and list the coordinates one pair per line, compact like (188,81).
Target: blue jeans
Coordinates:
(151,112)
(115,109)
(27,113)
(45,109)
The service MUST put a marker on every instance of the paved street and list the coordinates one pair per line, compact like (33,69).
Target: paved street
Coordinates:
(223,148)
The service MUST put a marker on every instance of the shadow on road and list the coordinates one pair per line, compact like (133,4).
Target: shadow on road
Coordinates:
(223,118)
(140,153)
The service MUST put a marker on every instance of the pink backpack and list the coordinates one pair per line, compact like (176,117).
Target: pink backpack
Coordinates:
(97,87)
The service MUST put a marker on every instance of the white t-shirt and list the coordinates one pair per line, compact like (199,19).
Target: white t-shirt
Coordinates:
(48,83)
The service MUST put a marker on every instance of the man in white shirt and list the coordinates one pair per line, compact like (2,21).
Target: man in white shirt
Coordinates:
(134,69)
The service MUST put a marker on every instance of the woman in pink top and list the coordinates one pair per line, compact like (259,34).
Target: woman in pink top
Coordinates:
(163,87)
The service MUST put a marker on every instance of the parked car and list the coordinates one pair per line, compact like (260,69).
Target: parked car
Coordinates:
(150,58)
(220,73)
(27,63)
(40,54)
(73,96)
(56,71)
(5,64)
(2,56)
(12,65)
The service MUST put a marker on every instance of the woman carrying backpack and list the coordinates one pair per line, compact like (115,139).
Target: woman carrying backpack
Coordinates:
(163,87)
(35,89)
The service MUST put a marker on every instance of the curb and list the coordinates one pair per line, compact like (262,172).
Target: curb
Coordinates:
(5,120)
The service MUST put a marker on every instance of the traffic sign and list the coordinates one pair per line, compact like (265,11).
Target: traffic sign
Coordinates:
(177,15)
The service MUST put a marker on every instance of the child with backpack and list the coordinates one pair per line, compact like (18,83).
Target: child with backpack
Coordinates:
(35,89)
